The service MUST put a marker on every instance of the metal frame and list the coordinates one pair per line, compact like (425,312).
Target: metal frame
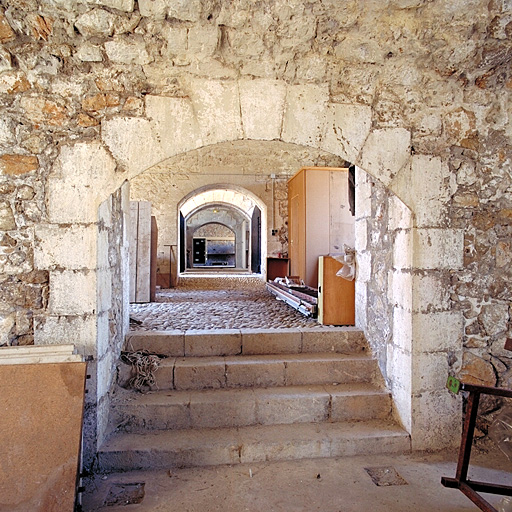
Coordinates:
(469,487)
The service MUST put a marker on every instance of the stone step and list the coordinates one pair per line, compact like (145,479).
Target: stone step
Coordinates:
(175,410)
(261,371)
(229,342)
(205,447)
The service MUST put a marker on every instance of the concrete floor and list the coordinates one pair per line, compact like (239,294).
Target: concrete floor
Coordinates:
(323,485)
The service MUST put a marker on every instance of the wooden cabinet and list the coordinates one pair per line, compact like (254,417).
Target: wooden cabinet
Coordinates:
(319,218)
(336,296)
(277,267)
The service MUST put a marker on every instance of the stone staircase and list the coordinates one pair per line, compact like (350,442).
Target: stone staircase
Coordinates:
(227,397)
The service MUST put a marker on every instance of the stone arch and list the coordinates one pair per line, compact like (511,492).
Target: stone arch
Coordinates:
(232,218)
(215,111)
(236,197)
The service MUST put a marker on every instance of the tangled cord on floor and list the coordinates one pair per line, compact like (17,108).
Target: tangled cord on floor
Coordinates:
(145,365)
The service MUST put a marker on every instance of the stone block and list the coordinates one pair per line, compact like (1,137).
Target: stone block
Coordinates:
(127,51)
(104,289)
(385,153)
(402,290)
(7,323)
(15,165)
(42,111)
(364,266)
(6,132)
(72,292)
(100,101)
(269,341)
(251,371)
(434,413)
(262,105)
(177,113)
(133,143)
(402,328)
(361,304)
(361,235)
(164,375)
(438,248)
(66,246)
(153,413)
(120,5)
(363,198)
(330,370)
(229,408)
(13,82)
(222,342)
(200,373)
(103,334)
(69,197)
(402,405)
(423,186)
(403,250)
(265,444)
(439,331)
(476,370)
(304,115)
(291,405)
(203,40)
(400,216)
(346,129)
(96,23)
(217,107)
(431,293)
(7,220)
(156,9)
(341,341)
(88,52)
(168,343)
(359,406)
(185,10)
(494,318)
(6,32)
(430,371)
(81,331)
(105,368)
(176,39)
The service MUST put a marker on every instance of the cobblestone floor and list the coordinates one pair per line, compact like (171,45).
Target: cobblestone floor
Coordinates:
(227,302)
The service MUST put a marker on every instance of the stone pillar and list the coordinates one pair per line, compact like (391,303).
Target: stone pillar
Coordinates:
(80,287)
(436,338)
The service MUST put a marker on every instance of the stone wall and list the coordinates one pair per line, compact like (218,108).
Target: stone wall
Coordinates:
(112,292)
(415,92)
(214,230)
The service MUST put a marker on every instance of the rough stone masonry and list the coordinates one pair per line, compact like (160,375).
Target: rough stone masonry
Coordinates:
(416,93)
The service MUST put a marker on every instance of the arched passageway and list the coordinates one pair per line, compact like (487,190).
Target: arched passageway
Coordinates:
(302,117)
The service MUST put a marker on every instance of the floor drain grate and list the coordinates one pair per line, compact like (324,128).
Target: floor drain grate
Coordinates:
(385,476)
(125,494)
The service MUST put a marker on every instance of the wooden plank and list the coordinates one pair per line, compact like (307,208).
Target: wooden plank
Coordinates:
(134,220)
(336,296)
(143,252)
(153,263)
(41,424)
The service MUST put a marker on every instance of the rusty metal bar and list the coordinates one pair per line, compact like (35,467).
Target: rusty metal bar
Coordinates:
(467,487)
